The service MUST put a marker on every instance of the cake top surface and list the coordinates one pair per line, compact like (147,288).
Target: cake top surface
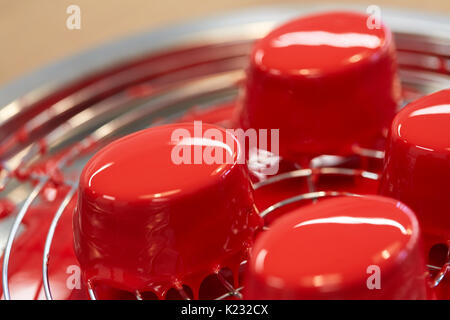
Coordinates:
(319,44)
(425,123)
(332,243)
(161,162)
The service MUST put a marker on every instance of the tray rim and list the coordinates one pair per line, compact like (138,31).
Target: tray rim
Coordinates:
(39,82)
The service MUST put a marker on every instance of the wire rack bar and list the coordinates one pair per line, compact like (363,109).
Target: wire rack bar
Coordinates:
(183,293)
(91,291)
(304,173)
(138,295)
(230,293)
(305,196)
(49,240)
(440,275)
(13,233)
(231,290)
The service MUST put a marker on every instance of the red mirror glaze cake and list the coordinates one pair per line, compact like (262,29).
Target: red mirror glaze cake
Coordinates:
(326,81)
(366,247)
(146,223)
(417,164)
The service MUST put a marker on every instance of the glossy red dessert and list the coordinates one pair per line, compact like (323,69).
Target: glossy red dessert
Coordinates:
(417,164)
(366,247)
(326,81)
(145,223)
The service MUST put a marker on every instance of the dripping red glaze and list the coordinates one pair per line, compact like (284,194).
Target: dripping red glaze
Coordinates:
(6,208)
(25,267)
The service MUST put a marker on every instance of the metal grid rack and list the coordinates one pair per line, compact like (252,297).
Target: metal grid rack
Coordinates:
(133,93)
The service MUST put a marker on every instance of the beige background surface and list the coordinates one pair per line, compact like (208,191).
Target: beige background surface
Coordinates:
(34,33)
